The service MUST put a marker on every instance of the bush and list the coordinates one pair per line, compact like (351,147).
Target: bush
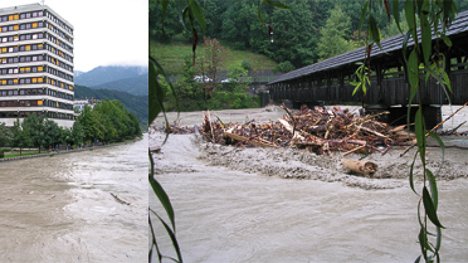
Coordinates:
(246,65)
(284,66)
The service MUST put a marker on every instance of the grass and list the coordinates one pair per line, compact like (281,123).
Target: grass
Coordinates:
(24,153)
(172,56)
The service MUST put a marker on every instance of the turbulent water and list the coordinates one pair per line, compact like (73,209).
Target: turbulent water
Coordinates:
(229,215)
(80,207)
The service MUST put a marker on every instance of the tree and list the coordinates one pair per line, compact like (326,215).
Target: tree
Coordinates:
(33,128)
(293,31)
(19,137)
(78,134)
(333,35)
(6,135)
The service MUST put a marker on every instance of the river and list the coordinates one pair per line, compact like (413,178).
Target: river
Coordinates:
(236,215)
(62,208)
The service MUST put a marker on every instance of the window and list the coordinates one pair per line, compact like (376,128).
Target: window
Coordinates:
(40,69)
(28,47)
(16,17)
(39,103)
(34,80)
(34,25)
(11,17)
(15,81)
(16,27)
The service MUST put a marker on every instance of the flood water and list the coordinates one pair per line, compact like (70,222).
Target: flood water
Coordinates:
(224,215)
(61,208)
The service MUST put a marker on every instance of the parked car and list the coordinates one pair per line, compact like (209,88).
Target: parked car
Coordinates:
(202,79)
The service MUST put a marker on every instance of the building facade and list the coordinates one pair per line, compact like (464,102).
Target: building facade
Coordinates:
(36,65)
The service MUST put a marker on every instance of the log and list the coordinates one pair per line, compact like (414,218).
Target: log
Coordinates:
(359,167)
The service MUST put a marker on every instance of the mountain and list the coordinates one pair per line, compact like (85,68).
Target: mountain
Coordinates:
(136,85)
(103,74)
(135,104)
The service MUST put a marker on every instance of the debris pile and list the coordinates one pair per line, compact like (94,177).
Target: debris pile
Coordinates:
(320,130)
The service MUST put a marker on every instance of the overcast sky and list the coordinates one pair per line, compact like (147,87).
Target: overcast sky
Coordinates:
(106,32)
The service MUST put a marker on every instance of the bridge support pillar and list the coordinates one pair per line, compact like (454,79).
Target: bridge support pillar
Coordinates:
(397,116)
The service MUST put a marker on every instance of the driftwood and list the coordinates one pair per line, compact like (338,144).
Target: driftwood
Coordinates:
(365,168)
(318,130)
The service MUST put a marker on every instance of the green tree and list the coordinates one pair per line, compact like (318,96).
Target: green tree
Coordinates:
(77,133)
(33,128)
(333,35)
(293,31)
(6,136)
(92,128)
(20,139)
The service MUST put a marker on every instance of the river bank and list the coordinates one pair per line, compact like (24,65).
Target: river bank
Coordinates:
(67,209)
(53,153)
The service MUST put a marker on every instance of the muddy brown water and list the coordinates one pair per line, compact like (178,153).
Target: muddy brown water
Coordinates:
(226,213)
(60,208)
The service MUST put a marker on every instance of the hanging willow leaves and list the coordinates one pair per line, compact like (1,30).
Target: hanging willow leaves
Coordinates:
(374,30)
(429,208)
(413,74)
(433,186)
(420,135)
(396,14)
(425,18)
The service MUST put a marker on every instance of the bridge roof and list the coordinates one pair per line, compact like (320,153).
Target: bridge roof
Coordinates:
(392,44)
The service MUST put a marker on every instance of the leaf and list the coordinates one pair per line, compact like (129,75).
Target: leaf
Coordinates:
(413,74)
(163,198)
(197,13)
(374,30)
(420,136)
(154,93)
(423,242)
(430,210)
(411,19)
(418,258)
(411,180)
(356,88)
(446,81)
(433,186)
(171,235)
(396,14)
(447,41)
(426,39)
(438,240)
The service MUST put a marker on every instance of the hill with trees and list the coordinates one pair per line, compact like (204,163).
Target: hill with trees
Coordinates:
(301,34)
(137,105)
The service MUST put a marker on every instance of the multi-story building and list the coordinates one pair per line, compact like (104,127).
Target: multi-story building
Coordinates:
(36,64)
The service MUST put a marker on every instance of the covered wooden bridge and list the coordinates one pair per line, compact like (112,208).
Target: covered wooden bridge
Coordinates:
(328,81)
